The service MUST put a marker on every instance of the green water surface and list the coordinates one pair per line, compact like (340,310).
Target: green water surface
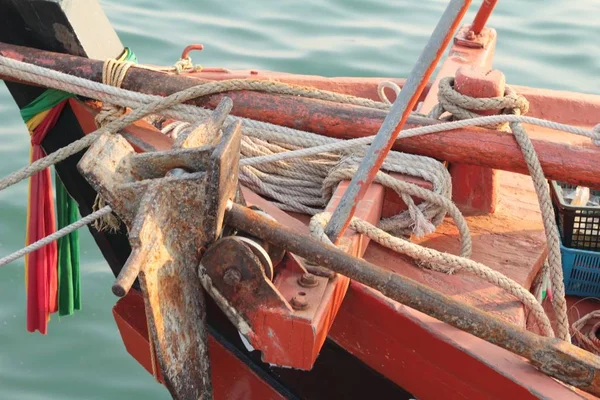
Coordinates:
(545,43)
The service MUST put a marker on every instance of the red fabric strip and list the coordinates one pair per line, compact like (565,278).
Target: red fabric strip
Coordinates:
(42,275)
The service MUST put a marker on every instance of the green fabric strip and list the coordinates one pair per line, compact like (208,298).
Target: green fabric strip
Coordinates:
(74,244)
(43,102)
(69,286)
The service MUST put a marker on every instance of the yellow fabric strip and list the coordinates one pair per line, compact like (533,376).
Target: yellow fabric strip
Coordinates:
(36,120)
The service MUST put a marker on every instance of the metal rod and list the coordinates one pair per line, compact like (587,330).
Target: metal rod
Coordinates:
(396,118)
(483,15)
(554,357)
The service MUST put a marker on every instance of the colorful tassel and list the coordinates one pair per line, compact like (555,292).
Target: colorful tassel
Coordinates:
(40,265)
(52,273)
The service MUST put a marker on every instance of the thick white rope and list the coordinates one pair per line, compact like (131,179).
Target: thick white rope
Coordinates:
(460,107)
(442,262)
(56,235)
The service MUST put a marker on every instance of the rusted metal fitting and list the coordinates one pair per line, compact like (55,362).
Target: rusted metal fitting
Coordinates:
(308,280)
(186,52)
(232,277)
(299,302)
(468,36)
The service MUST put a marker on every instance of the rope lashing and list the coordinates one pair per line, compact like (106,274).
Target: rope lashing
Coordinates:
(186,65)
(460,106)
(113,74)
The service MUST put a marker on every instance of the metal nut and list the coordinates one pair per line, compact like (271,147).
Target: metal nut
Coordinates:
(299,301)
(471,35)
(308,280)
(232,277)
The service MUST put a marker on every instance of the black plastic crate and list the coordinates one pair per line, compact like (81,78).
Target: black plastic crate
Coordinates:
(579,227)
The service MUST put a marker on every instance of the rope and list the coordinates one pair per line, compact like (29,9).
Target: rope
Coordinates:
(559,302)
(589,342)
(113,74)
(55,236)
(306,184)
(459,106)
(442,262)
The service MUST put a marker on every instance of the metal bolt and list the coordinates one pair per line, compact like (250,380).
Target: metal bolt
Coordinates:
(308,280)
(299,302)
(471,35)
(232,277)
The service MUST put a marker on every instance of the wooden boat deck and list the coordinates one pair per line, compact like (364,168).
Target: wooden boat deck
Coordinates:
(510,241)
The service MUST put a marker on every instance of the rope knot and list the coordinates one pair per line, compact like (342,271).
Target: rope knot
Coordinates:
(461,106)
(185,65)
(113,73)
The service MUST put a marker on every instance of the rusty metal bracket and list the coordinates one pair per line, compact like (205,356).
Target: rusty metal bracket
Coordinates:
(235,276)
(173,203)
(466,37)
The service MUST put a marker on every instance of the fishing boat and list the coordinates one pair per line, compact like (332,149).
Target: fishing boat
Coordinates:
(276,236)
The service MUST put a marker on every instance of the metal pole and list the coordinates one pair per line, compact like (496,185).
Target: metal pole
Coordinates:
(482,15)
(396,118)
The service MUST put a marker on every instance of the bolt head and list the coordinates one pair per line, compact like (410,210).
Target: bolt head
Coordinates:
(308,280)
(471,35)
(232,277)
(299,302)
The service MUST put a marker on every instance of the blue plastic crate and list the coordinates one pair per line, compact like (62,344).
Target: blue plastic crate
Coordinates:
(581,269)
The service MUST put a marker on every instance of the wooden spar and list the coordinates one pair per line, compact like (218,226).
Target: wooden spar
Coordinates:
(473,146)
